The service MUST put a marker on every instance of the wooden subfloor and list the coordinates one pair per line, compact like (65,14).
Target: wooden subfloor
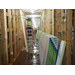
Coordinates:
(22,59)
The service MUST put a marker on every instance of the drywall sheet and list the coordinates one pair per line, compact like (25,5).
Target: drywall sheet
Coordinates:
(40,32)
(52,51)
(61,53)
(43,47)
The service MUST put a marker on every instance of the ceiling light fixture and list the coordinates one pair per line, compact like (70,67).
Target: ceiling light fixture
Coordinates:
(32,11)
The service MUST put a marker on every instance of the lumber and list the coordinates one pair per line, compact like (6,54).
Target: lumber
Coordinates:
(24,33)
(17,29)
(14,27)
(52,21)
(10,35)
(65,25)
(4,36)
(62,24)
(74,41)
(1,62)
(69,36)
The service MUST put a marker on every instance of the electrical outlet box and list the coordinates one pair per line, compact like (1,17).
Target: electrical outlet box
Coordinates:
(63,15)
(11,53)
(16,34)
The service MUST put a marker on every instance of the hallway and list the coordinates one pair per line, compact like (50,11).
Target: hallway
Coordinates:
(54,44)
(31,57)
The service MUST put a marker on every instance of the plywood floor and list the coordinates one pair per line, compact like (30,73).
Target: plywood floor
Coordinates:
(29,58)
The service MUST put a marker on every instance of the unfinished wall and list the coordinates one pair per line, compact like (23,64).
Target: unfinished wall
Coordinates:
(47,21)
(61,27)
(11,35)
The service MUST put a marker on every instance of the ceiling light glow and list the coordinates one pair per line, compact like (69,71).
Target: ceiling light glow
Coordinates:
(32,11)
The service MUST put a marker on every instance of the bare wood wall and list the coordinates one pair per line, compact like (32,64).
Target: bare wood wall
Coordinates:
(11,35)
(61,27)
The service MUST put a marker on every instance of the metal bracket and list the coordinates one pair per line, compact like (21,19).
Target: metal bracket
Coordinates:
(63,32)
(59,33)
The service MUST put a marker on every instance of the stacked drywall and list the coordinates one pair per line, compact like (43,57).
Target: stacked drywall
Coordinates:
(46,50)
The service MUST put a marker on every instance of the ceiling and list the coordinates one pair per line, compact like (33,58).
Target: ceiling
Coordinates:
(33,12)
(29,10)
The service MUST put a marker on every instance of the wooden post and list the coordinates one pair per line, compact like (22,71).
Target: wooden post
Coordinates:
(52,21)
(17,30)
(74,41)
(10,35)
(62,25)
(65,35)
(14,27)
(4,36)
(1,52)
(24,33)
(69,37)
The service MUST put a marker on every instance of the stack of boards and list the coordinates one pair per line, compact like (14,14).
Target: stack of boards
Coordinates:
(48,46)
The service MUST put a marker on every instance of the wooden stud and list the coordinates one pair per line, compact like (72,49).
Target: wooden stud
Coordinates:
(52,21)
(17,30)
(14,27)
(69,36)
(4,36)
(10,35)
(74,41)
(64,35)
(1,62)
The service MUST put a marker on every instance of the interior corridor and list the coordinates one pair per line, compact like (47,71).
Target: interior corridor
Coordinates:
(37,36)
(31,57)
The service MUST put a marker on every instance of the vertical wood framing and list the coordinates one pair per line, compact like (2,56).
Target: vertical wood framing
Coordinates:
(4,36)
(69,37)
(14,27)
(10,35)
(17,29)
(65,29)
(52,21)
(1,62)
(10,26)
(74,41)
(62,28)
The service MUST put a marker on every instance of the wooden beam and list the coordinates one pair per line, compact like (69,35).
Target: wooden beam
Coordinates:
(34,16)
(17,30)
(10,35)
(14,27)
(0,32)
(52,21)
(62,25)
(74,41)
(36,13)
(4,36)
(69,37)
(21,34)
(5,26)
(1,62)
(65,35)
